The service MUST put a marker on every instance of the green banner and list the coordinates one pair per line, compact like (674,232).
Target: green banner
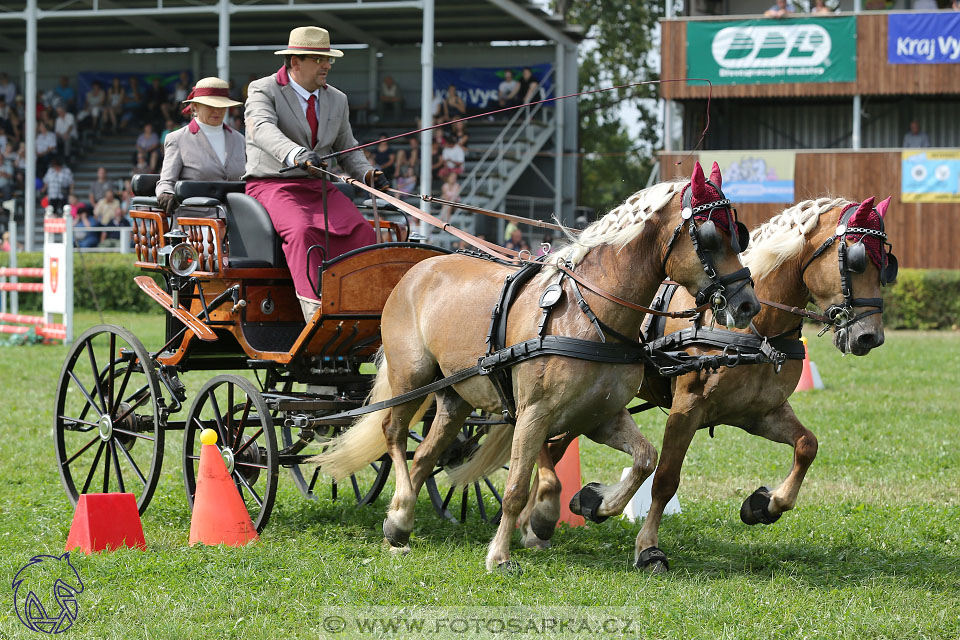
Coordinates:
(773,51)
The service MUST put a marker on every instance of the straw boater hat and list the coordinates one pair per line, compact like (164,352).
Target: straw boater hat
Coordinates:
(212,92)
(307,41)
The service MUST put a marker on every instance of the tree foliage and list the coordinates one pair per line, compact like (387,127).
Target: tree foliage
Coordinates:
(620,49)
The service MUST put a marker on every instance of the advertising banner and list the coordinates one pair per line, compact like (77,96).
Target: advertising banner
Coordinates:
(54,277)
(773,51)
(923,38)
(478,86)
(754,176)
(930,176)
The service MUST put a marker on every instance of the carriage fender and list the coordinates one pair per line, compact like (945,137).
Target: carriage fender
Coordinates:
(192,322)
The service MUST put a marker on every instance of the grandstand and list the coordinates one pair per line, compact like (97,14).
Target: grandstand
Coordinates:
(415,42)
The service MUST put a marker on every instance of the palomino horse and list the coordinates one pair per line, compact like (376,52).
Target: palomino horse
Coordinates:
(795,258)
(435,321)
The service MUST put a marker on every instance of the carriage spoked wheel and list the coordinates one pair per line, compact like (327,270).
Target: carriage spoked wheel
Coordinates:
(233,407)
(363,486)
(481,499)
(107,422)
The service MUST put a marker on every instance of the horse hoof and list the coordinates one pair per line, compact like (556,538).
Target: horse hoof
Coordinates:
(543,528)
(755,509)
(532,541)
(395,536)
(587,501)
(396,551)
(654,560)
(509,567)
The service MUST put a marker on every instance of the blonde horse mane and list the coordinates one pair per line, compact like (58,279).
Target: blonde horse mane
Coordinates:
(619,227)
(783,236)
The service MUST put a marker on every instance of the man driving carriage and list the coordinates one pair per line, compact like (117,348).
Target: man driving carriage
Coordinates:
(294,117)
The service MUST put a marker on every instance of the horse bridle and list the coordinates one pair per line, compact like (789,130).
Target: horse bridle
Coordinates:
(853,259)
(707,238)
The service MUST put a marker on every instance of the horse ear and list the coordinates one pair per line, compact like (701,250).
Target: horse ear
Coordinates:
(698,183)
(882,207)
(861,214)
(715,176)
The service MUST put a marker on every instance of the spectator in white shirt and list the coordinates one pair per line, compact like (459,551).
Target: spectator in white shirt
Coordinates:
(453,158)
(65,128)
(46,147)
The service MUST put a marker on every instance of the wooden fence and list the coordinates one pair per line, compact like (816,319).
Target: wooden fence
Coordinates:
(923,235)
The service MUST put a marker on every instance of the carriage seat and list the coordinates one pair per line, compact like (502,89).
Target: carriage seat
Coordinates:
(144,187)
(253,240)
(185,189)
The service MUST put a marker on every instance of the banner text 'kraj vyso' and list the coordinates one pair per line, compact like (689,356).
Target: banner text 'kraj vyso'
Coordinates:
(773,51)
(479,86)
(924,38)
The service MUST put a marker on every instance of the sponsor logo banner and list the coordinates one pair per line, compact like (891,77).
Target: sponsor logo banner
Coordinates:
(754,176)
(773,51)
(930,176)
(923,38)
(479,86)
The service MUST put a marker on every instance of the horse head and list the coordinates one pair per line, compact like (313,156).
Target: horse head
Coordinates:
(847,282)
(705,260)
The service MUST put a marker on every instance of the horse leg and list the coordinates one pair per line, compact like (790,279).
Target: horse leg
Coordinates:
(677,436)
(597,502)
(399,521)
(781,425)
(538,520)
(452,411)
(528,438)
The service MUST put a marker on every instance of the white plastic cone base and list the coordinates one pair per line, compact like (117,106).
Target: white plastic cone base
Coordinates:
(639,504)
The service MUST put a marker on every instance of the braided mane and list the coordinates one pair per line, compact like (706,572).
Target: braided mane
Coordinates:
(783,236)
(619,227)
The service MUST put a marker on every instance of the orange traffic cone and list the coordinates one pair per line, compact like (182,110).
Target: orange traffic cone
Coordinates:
(568,472)
(106,521)
(809,379)
(219,515)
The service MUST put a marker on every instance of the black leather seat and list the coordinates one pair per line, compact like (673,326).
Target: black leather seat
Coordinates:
(144,184)
(203,189)
(253,240)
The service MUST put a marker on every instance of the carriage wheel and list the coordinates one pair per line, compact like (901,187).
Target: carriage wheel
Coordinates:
(107,417)
(363,486)
(484,497)
(233,407)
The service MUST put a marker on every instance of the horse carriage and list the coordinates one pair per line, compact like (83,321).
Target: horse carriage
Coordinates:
(218,270)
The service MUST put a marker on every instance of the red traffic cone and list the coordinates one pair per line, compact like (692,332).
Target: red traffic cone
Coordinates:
(806,376)
(219,515)
(106,521)
(568,472)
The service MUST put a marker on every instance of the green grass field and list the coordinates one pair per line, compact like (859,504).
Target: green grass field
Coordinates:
(872,550)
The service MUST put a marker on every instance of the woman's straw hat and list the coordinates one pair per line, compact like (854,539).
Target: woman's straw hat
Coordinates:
(212,92)
(310,41)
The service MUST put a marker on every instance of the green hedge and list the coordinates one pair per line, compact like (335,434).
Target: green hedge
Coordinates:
(104,279)
(923,299)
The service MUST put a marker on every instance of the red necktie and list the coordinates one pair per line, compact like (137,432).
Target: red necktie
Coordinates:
(312,119)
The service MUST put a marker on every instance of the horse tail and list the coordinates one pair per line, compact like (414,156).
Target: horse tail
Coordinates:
(493,453)
(364,441)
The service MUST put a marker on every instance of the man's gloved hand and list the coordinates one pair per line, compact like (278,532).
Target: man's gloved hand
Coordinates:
(309,156)
(168,202)
(378,180)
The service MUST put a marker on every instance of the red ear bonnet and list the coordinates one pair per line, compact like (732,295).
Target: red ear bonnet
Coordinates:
(698,184)
(715,176)
(882,207)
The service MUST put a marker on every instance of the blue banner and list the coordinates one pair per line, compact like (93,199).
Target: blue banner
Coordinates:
(479,86)
(754,176)
(929,176)
(923,38)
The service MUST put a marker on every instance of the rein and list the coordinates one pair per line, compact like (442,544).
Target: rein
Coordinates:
(502,253)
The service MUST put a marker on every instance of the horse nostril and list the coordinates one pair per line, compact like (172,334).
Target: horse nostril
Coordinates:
(869,340)
(748,309)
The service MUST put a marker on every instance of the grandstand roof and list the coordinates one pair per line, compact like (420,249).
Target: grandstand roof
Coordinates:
(110,25)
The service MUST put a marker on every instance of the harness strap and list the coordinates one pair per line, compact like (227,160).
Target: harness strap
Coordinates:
(819,317)
(520,352)
(687,313)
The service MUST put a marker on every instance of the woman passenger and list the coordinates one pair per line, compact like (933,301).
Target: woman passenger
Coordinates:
(205,149)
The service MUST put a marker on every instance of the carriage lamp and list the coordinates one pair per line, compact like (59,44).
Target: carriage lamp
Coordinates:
(178,255)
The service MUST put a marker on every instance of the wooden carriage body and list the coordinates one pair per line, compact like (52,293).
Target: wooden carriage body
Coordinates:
(262,323)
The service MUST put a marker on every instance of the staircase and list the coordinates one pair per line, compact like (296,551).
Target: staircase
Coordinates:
(115,153)
(507,157)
